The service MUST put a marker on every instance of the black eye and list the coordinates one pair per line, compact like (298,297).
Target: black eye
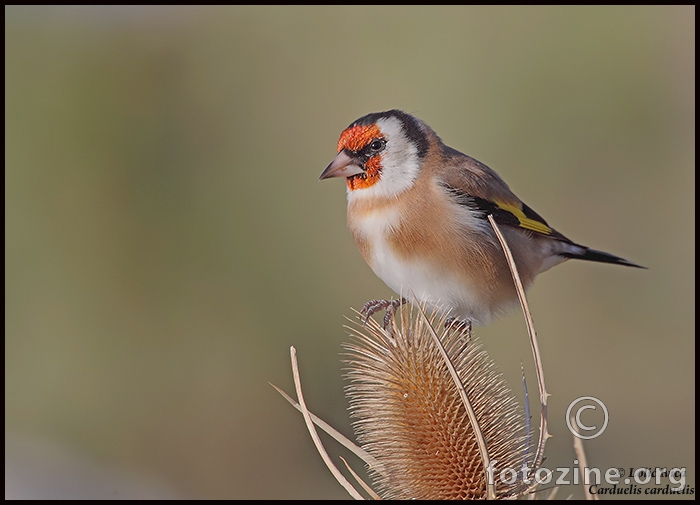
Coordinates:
(377,145)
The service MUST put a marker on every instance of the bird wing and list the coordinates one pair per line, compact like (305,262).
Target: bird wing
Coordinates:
(471,183)
(474,184)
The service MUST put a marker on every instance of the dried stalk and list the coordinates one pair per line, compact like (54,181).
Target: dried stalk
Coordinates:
(481,442)
(335,434)
(544,434)
(362,483)
(582,463)
(314,435)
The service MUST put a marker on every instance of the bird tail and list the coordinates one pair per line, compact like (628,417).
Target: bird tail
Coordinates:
(584,253)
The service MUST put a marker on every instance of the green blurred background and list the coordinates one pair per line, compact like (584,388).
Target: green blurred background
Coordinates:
(167,239)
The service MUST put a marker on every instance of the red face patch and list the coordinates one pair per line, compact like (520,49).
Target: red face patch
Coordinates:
(373,168)
(355,139)
(358,136)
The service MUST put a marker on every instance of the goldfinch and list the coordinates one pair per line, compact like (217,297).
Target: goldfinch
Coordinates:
(418,209)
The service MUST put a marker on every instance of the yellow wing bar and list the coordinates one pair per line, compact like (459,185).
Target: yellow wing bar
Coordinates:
(524,222)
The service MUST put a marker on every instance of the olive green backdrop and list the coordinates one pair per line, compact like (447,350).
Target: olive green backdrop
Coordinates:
(167,239)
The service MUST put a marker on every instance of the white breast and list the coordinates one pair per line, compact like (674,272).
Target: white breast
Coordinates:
(417,279)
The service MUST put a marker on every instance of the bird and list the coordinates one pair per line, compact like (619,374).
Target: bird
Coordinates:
(418,212)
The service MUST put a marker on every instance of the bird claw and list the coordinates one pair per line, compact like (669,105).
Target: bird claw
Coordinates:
(373,306)
(463,327)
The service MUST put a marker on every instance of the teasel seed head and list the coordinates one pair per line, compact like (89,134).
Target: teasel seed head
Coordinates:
(408,414)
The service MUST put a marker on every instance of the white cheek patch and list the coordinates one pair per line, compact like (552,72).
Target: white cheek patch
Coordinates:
(400,164)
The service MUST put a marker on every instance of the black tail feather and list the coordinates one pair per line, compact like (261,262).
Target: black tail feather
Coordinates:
(601,257)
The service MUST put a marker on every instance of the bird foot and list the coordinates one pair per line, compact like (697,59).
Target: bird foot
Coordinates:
(463,327)
(373,306)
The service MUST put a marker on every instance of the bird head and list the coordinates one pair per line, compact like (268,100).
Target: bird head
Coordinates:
(380,154)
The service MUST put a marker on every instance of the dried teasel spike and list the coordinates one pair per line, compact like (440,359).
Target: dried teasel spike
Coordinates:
(335,434)
(408,414)
(539,369)
(312,431)
(466,403)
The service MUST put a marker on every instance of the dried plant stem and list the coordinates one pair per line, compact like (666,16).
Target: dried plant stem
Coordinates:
(362,483)
(481,442)
(314,435)
(582,463)
(337,436)
(544,434)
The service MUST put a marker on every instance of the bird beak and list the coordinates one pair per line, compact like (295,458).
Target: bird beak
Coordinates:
(342,166)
